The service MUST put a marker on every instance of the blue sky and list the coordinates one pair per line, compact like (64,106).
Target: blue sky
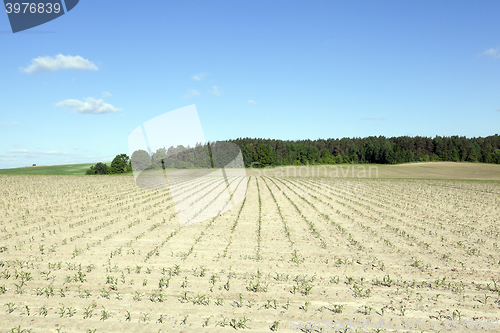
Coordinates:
(73,89)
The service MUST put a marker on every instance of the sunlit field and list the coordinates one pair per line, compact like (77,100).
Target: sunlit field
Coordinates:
(99,254)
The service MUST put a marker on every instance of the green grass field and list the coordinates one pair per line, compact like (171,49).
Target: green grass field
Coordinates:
(427,170)
(69,169)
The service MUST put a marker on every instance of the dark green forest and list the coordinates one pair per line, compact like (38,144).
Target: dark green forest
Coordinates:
(267,152)
(372,149)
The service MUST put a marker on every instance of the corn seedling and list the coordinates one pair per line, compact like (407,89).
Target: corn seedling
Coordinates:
(184,283)
(144,318)
(89,310)
(337,308)
(224,322)
(366,310)
(43,311)
(205,322)
(10,307)
(202,300)
(184,298)
(138,296)
(241,323)
(104,314)
(305,306)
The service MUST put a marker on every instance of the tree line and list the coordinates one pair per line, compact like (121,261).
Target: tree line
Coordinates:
(267,152)
(120,164)
(201,156)
(209,155)
(381,150)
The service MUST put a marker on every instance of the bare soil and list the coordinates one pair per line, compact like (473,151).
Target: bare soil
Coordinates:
(83,253)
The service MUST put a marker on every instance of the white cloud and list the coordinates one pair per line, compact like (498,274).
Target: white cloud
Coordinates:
(191,93)
(251,101)
(29,153)
(105,94)
(14,124)
(215,91)
(89,106)
(200,76)
(372,118)
(493,53)
(54,152)
(50,64)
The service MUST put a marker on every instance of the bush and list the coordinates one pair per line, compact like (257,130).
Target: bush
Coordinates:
(435,158)
(425,158)
(100,168)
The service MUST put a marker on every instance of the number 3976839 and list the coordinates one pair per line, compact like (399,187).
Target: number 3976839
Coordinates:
(26,7)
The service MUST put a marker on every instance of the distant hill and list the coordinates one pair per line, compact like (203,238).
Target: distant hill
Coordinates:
(68,169)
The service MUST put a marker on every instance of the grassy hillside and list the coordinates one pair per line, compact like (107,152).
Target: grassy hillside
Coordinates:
(69,169)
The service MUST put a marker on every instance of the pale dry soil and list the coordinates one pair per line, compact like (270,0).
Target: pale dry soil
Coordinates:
(99,253)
